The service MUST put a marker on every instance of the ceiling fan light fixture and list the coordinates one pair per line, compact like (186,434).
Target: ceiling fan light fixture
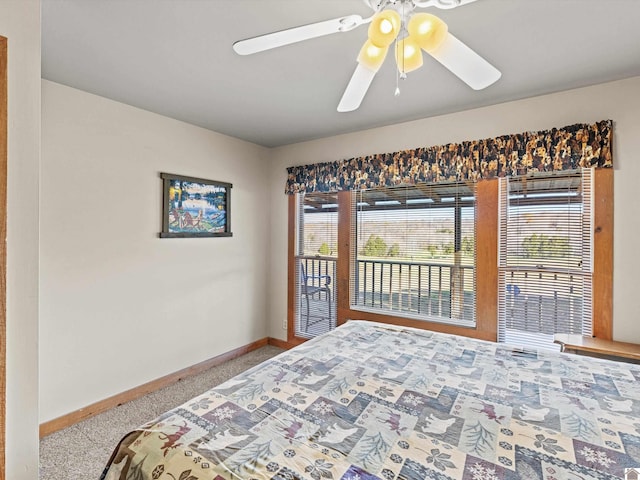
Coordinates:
(427,30)
(384,28)
(372,56)
(412,33)
(408,55)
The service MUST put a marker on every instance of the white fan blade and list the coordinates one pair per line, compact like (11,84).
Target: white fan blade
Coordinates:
(466,64)
(357,89)
(297,34)
(442,4)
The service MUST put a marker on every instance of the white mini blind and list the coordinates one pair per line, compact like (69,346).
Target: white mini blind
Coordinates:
(413,251)
(316,255)
(545,258)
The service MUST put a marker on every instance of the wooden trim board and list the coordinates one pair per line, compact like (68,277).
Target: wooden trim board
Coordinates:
(602,285)
(3,247)
(486,272)
(600,346)
(343,264)
(276,342)
(94,409)
(291,270)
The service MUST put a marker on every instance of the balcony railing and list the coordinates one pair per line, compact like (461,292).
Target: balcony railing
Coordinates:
(545,300)
(316,313)
(417,288)
(431,290)
(444,291)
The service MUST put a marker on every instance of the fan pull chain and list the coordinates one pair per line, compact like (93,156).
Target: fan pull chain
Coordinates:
(400,73)
(397,92)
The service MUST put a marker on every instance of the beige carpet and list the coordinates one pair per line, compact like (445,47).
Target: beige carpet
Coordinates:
(81,452)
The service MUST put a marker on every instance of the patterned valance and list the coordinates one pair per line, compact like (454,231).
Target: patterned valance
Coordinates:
(567,148)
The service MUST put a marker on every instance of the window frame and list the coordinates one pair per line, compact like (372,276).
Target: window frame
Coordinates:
(462,196)
(486,242)
(536,307)
(318,200)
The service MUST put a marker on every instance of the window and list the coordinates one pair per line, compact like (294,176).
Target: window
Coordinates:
(396,263)
(545,260)
(315,263)
(413,252)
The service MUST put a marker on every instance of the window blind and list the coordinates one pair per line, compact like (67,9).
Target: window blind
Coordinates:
(316,255)
(545,257)
(413,251)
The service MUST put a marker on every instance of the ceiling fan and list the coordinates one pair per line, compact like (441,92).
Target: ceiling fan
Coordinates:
(392,21)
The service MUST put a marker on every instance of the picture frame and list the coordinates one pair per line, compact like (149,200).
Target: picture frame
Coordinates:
(195,207)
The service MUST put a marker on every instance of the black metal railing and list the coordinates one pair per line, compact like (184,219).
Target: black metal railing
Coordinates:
(438,290)
(432,289)
(544,300)
(316,292)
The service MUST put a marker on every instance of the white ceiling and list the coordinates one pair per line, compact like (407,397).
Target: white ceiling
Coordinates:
(174,57)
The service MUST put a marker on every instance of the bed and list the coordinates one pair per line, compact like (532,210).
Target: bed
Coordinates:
(372,401)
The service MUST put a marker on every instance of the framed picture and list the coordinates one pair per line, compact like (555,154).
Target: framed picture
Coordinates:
(195,207)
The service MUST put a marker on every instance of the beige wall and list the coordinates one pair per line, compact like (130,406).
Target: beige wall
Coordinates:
(20,23)
(118,305)
(619,101)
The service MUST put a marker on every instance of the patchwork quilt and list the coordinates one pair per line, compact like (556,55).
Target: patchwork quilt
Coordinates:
(372,401)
